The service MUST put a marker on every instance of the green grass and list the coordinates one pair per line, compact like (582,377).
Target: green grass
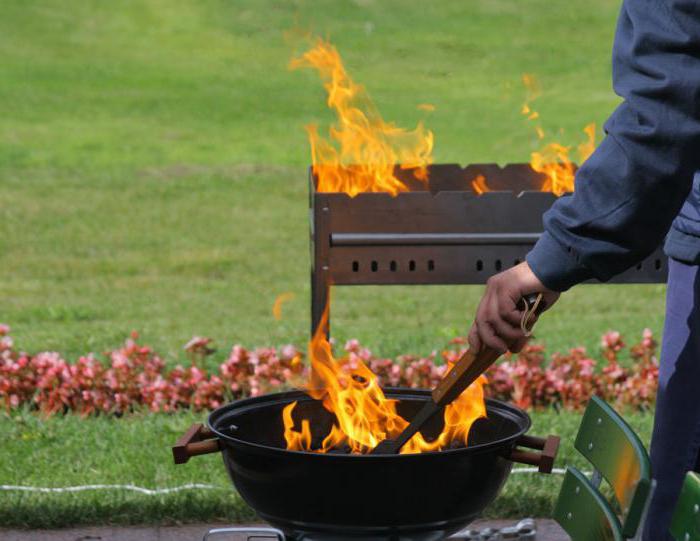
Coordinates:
(72,451)
(152,177)
(152,171)
(135,450)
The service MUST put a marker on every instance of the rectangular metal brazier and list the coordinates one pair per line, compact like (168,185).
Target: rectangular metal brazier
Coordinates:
(440,233)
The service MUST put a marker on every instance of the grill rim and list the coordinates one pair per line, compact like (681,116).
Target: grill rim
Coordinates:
(510,411)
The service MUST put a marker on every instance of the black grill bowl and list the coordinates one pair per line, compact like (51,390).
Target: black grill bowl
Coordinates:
(332,497)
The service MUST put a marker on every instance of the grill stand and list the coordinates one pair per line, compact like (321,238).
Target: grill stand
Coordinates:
(524,530)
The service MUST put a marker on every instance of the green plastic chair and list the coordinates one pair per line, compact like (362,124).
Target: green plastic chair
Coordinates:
(617,456)
(685,525)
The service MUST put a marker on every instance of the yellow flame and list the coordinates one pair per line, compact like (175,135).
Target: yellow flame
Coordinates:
(532,85)
(364,416)
(362,149)
(479,184)
(295,440)
(553,159)
(587,148)
(279,302)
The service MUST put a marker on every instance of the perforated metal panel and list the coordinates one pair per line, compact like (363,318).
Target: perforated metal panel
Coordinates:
(442,233)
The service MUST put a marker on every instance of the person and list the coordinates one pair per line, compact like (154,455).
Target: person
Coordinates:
(640,185)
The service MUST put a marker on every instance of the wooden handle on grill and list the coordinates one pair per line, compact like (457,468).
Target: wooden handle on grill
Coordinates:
(198,440)
(544,460)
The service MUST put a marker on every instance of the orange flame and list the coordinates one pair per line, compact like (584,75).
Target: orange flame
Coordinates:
(279,302)
(362,149)
(364,416)
(479,184)
(553,159)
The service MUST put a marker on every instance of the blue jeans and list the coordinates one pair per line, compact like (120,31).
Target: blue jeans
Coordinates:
(675,443)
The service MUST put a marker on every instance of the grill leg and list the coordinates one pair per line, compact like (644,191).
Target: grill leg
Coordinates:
(320,297)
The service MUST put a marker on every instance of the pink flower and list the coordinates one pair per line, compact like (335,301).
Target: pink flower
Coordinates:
(199,345)
(134,376)
(612,340)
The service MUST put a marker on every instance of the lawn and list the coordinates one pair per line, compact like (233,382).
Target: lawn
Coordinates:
(153,177)
(136,450)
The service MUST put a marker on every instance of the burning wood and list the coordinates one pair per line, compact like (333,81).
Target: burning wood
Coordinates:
(364,416)
(362,149)
(553,159)
(361,154)
(432,235)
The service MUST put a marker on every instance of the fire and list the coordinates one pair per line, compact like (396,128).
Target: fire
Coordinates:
(479,184)
(553,159)
(362,149)
(349,389)
(279,302)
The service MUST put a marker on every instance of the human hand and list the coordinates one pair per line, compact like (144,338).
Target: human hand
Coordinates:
(497,320)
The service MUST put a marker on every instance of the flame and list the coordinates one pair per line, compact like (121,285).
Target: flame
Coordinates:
(364,416)
(587,148)
(295,440)
(362,149)
(279,302)
(479,184)
(553,159)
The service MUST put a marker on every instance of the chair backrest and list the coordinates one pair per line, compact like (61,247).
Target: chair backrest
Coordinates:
(685,525)
(618,455)
(583,512)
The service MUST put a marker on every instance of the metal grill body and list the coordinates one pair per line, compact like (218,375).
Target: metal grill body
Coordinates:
(439,233)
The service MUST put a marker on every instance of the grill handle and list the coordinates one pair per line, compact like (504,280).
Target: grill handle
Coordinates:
(544,459)
(198,440)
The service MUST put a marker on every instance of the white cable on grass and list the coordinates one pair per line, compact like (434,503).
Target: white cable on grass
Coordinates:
(170,490)
(134,488)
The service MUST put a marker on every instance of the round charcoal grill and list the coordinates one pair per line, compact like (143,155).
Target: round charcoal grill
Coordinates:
(335,496)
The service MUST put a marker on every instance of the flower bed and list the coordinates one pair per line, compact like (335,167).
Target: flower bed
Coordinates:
(135,376)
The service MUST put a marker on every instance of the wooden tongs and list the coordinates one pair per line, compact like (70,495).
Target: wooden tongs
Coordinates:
(465,372)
